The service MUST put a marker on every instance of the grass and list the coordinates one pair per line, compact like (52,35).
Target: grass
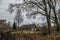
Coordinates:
(33,35)
(25,32)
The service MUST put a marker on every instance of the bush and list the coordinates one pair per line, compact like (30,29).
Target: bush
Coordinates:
(14,26)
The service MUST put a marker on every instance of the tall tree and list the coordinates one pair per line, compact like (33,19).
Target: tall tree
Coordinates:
(18,18)
(47,14)
(53,6)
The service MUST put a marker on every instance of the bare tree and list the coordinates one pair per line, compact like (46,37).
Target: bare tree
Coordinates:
(53,6)
(18,18)
(43,7)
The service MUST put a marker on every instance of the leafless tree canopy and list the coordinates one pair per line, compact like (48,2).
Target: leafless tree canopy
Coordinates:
(45,8)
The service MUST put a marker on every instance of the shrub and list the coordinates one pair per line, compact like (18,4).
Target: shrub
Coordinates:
(14,26)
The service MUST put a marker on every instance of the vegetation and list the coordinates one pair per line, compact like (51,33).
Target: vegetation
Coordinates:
(14,26)
(46,8)
(18,17)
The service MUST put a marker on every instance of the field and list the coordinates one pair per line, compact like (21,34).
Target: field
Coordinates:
(34,35)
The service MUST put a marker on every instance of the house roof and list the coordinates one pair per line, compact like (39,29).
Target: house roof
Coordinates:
(28,26)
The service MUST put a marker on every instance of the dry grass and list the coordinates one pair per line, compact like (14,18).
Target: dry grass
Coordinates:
(25,32)
(34,35)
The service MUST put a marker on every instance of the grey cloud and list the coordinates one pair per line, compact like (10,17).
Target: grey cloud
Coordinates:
(9,17)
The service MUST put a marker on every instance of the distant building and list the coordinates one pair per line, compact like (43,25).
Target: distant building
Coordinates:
(29,27)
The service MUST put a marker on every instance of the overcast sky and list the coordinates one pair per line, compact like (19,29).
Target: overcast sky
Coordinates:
(4,14)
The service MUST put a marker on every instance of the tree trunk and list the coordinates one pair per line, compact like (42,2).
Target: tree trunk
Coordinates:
(56,20)
(47,16)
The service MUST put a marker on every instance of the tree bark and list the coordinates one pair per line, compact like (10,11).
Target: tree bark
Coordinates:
(56,20)
(47,16)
